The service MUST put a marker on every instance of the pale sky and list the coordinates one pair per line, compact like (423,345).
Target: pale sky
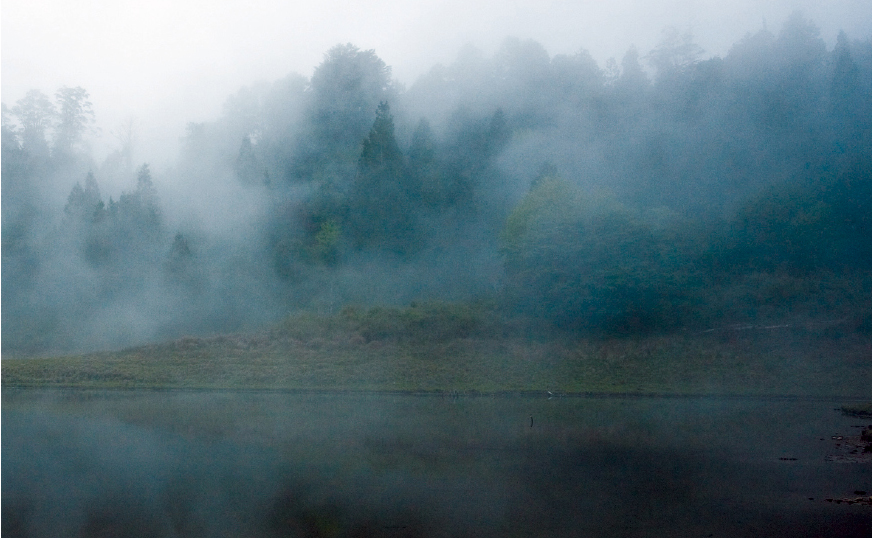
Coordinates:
(168,62)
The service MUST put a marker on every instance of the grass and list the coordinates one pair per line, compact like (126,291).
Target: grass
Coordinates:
(442,347)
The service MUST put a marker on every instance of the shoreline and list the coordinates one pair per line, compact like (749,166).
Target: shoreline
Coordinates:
(593,395)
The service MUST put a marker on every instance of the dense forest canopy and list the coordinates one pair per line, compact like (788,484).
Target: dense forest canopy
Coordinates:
(654,193)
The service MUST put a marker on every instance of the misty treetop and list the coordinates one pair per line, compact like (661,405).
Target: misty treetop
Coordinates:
(128,233)
(660,190)
(65,121)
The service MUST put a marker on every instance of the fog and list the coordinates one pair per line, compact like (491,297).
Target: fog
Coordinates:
(646,167)
(145,463)
(614,176)
(167,63)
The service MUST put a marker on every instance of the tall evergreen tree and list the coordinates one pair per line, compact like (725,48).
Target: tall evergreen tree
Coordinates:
(384,198)
(84,205)
(380,150)
(139,211)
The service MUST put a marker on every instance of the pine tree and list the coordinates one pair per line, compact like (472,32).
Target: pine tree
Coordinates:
(85,204)
(384,197)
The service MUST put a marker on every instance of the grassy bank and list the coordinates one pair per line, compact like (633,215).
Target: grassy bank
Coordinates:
(452,348)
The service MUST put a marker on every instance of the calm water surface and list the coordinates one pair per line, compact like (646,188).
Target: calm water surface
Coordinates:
(141,463)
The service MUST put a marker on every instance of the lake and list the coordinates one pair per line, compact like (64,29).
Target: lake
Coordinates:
(176,463)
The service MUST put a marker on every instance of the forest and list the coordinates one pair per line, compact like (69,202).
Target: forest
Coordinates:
(665,192)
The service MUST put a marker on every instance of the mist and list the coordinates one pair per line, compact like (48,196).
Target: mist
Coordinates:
(168,64)
(443,269)
(150,463)
(659,182)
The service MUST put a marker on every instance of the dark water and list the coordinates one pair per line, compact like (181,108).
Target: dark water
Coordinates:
(104,464)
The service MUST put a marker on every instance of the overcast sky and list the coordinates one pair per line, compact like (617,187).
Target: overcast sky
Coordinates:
(167,62)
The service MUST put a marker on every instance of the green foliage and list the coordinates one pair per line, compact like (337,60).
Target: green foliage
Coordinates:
(550,202)
(325,248)
(380,150)
(586,262)
(808,225)
(710,137)
(384,199)
(432,321)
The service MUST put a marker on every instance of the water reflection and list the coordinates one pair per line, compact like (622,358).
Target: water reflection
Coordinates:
(265,464)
